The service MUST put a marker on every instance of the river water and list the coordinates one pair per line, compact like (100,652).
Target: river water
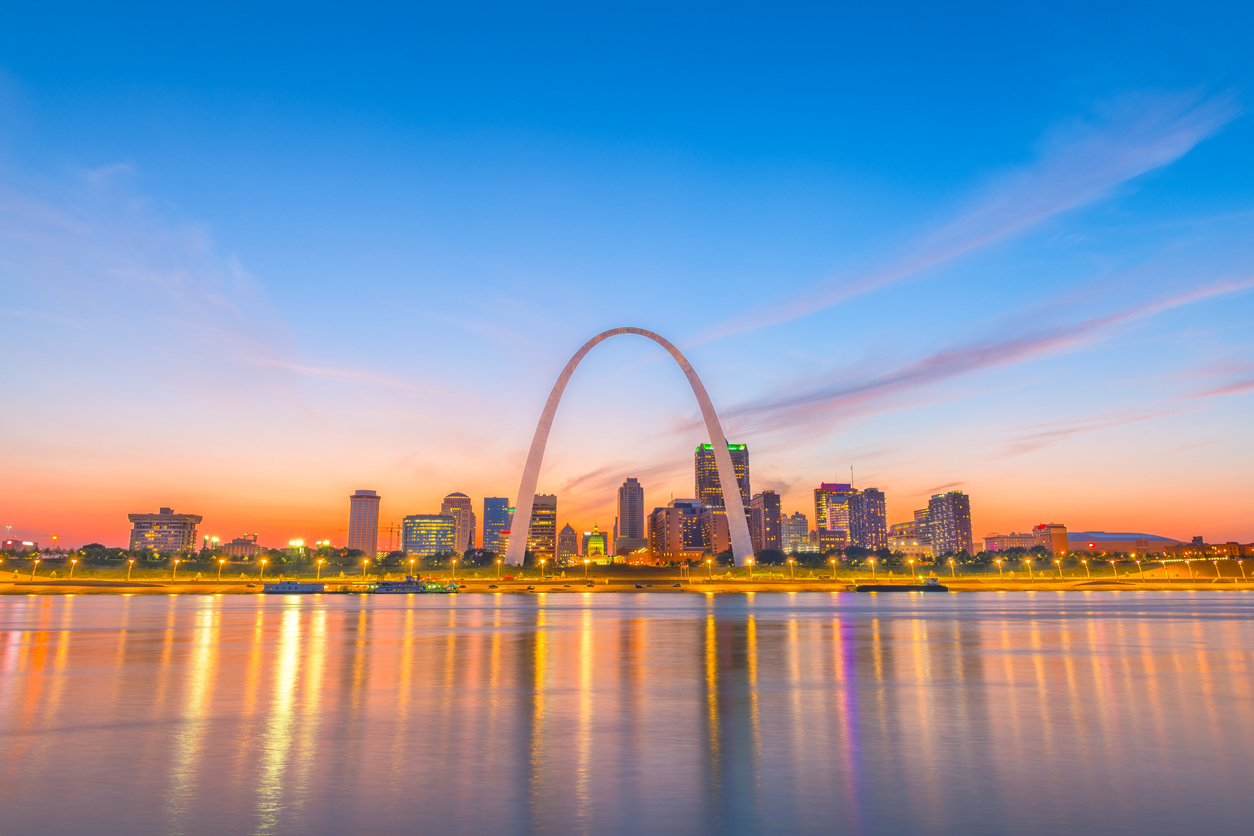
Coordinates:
(1023,713)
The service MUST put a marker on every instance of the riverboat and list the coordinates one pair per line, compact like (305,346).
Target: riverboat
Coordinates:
(411,586)
(928,585)
(292,588)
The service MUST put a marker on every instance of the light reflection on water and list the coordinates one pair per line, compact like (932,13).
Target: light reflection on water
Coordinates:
(576,713)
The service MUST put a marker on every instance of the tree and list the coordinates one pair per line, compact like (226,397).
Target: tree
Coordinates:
(770,557)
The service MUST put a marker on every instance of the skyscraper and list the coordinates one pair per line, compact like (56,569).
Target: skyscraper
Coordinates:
(795,531)
(764,521)
(363,522)
(461,509)
(542,539)
(425,534)
(630,534)
(567,543)
(949,520)
(676,531)
(831,506)
(709,491)
(868,519)
(496,518)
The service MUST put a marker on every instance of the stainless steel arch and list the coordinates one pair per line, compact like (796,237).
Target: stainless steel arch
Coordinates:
(742,545)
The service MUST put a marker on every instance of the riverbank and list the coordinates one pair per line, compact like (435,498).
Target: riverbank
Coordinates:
(42,586)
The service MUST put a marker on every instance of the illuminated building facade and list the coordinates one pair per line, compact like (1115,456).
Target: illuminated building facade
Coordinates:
(497,516)
(949,523)
(825,541)
(904,538)
(363,522)
(764,522)
(164,531)
(461,509)
(567,544)
(676,532)
(596,544)
(542,538)
(709,491)
(245,547)
(868,519)
(831,506)
(425,534)
(1052,536)
(795,532)
(1001,542)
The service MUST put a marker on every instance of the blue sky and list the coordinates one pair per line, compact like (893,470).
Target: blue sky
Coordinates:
(254,259)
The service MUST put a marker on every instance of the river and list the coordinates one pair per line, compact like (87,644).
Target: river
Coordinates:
(1024,713)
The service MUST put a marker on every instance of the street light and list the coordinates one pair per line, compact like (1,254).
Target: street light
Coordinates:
(951,569)
(585,569)
(543,561)
(454,575)
(174,575)
(130,564)
(33,568)
(913,576)
(1058,563)
(364,561)
(73,562)
(1216,562)
(1189,565)
(1241,566)
(1113,567)
(872,562)
(319,569)
(709,568)
(1140,569)
(749,560)
(1027,562)
(262,574)
(833,562)
(792,573)
(411,565)
(1000,571)
(498,568)
(1087,570)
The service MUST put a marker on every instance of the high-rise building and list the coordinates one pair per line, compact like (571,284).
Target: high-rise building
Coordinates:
(949,521)
(629,533)
(461,509)
(868,519)
(709,491)
(496,518)
(363,522)
(164,531)
(922,526)
(795,531)
(542,539)
(424,534)
(764,528)
(676,532)
(904,538)
(1052,536)
(831,506)
(596,543)
(567,543)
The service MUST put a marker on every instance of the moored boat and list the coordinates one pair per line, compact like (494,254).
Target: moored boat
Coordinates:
(292,588)
(412,586)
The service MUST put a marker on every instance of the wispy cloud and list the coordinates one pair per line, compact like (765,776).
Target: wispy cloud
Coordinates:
(820,403)
(1242,380)
(1040,436)
(1082,162)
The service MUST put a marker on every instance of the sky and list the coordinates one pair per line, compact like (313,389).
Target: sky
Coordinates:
(255,258)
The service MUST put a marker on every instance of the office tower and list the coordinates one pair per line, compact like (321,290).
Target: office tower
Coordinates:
(1052,536)
(164,531)
(922,526)
(868,519)
(461,509)
(709,491)
(795,532)
(542,539)
(567,543)
(363,522)
(831,506)
(629,532)
(764,521)
(904,538)
(949,521)
(677,532)
(596,543)
(496,518)
(424,534)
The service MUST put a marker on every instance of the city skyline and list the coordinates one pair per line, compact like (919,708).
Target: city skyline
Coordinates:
(1019,273)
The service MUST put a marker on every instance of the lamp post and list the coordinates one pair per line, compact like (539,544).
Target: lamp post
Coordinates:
(833,562)
(912,575)
(1000,571)
(749,560)
(498,568)
(1087,571)
(222,563)
(1216,562)
(33,567)
(709,568)
(412,560)
(792,572)
(952,570)
(1189,565)
(130,564)
(364,561)
(872,562)
(453,577)
(319,577)
(175,573)
(585,569)
(1140,569)
(262,573)
(543,561)
(1028,562)
(73,562)
(1241,566)
(1114,567)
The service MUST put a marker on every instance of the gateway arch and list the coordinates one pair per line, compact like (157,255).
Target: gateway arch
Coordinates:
(742,545)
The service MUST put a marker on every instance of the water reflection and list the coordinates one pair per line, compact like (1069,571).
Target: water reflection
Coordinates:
(622,714)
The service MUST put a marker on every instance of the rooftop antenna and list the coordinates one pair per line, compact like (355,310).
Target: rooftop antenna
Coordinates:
(851,476)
